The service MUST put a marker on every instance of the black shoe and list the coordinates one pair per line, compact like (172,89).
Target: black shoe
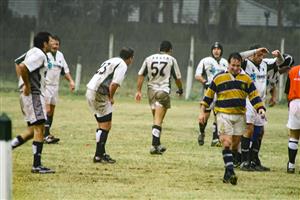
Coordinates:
(230,177)
(246,166)
(42,170)
(160,149)
(201,139)
(104,159)
(259,167)
(290,170)
(50,139)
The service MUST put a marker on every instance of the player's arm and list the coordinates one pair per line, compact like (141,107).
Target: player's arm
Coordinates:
(69,78)
(199,73)
(273,91)
(255,99)
(279,57)
(22,71)
(112,90)
(207,100)
(246,54)
(140,81)
(178,83)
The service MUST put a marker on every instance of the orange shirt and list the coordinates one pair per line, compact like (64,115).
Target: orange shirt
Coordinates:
(294,83)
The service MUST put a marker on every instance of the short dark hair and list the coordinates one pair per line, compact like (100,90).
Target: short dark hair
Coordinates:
(126,53)
(254,46)
(235,55)
(165,46)
(55,37)
(40,38)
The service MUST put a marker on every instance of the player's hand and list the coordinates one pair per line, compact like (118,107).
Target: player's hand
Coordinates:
(26,90)
(112,101)
(262,50)
(276,53)
(262,113)
(179,92)
(202,118)
(138,96)
(72,86)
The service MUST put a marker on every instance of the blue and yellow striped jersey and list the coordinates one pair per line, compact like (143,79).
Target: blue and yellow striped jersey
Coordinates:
(231,93)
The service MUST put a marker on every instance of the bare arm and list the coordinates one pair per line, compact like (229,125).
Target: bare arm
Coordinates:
(179,86)
(112,90)
(138,95)
(22,71)
(279,57)
(202,118)
(246,54)
(201,79)
(71,81)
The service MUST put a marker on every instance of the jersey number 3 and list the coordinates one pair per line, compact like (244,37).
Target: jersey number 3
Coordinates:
(158,67)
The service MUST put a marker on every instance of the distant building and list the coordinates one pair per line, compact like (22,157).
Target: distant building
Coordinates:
(24,7)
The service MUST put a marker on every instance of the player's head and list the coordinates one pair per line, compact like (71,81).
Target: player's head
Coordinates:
(287,64)
(257,57)
(55,43)
(165,46)
(127,54)
(234,63)
(216,50)
(42,41)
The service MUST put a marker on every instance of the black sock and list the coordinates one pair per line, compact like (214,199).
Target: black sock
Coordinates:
(215,131)
(254,151)
(156,131)
(37,148)
(202,127)
(228,159)
(17,141)
(293,149)
(245,146)
(101,138)
(48,124)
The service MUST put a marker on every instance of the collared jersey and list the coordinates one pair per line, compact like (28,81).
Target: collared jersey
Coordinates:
(112,70)
(57,64)
(159,68)
(231,93)
(292,88)
(259,74)
(209,67)
(36,62)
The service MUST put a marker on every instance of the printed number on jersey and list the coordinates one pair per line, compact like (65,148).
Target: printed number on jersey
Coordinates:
(158,68)
(102,68)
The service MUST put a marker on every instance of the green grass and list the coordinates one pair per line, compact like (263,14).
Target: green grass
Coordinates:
(185,171)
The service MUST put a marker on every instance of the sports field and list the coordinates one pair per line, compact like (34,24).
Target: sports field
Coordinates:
(185,171)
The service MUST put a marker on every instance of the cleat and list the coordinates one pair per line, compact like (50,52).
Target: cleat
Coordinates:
(50,139)
(230,177)
(259,167)
(246,166)
(159,150)
(216,143)
(201,139)
(104,159)
(42,170)
(290,170)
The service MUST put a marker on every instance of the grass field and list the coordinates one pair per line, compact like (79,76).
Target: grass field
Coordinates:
(185,171)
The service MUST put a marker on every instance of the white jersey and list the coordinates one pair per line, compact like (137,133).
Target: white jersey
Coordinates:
(112,70)
(36,62)
(209,67)
(259,74)
(57,64)
(159,68)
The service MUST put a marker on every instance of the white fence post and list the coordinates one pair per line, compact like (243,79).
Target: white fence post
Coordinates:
(190,71)
(111,46)
(5,158)
(281,77)
(78,74)
(31,39)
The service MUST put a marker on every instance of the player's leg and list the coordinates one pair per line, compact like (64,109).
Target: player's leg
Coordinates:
(215,136)
(226,140)
(104,126)
(292,149)
(48,137)
(245,147)
(201,136)
(22,138)
(162,103)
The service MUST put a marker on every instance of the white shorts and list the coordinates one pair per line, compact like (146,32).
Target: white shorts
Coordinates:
(33,108)
(98,103)
(231,124)
(51,94)
(294,115)
(252,117)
